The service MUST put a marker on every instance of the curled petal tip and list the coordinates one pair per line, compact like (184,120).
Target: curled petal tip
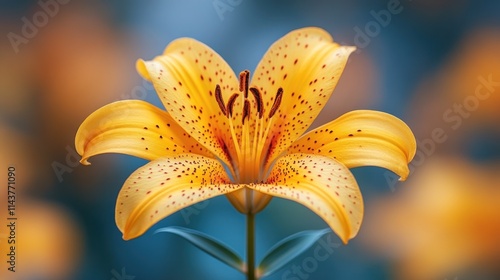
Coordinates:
(404,174)
(140,66)
(84,161)
(350,49)
(126,237)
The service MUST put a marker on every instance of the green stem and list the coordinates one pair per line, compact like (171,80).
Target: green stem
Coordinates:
(251,246)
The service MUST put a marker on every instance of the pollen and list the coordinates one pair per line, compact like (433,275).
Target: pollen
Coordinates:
(228,109)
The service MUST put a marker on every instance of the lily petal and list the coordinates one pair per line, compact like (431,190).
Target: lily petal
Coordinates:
(307,65)
(185,77)
(362,138)
(322,184)
(135,128)
(165,186)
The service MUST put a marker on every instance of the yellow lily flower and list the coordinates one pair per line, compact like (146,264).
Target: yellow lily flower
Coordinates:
(224,134)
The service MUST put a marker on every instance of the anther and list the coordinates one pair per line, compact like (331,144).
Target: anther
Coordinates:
(246,111)
(277,102)
(220,101)
(230,104)
(244,75)
(258,99)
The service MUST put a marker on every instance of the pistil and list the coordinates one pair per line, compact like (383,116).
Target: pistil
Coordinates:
(250,154)
(244,77)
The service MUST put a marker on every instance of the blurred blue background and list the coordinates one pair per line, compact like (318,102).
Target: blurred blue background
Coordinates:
(417,63)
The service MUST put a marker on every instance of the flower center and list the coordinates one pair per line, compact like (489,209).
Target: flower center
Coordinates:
(249,137)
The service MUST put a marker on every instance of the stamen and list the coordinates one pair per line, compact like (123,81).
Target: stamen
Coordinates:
(258,99)
(246,111)
(244,75)
(277,102)
(230,104)
(220,101)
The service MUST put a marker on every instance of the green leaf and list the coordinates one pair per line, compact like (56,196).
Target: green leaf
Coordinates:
(209,245)
(287,249)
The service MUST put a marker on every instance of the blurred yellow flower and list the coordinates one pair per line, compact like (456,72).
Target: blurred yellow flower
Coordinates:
(227,135)
(463,95)
(47,243)
(445,223)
